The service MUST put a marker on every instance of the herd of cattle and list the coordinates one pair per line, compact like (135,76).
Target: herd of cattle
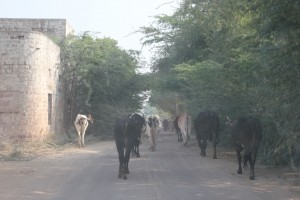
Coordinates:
(246,135)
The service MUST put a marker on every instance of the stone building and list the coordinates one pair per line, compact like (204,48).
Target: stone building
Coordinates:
(31,102)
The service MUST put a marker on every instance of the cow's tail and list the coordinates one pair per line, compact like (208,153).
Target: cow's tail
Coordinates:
(217,125)
(125,134)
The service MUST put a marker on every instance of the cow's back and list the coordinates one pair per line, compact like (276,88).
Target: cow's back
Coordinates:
(244,130)
(185,122)
(205,123)
(120,128)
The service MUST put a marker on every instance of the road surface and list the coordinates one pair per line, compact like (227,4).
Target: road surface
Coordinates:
(173,172)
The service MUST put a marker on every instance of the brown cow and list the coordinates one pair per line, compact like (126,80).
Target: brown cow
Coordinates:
(183,127)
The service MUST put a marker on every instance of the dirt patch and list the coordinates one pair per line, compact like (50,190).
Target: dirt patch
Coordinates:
(29,150)
(284,176)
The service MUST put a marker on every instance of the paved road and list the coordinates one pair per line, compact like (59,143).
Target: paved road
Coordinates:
(173,172)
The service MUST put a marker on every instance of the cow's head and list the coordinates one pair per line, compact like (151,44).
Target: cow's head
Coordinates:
(136,120)
(150,122)
(90,118)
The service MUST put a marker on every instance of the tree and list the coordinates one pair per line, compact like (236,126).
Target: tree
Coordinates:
(237,57)
(101,79)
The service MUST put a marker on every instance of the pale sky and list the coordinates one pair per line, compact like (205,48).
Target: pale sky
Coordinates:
(116,19)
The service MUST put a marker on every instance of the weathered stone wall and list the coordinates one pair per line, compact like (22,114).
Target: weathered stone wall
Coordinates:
(30,92)
(51,27)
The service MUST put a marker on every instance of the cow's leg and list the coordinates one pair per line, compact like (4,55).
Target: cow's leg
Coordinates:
(179,136)
(123,170)
(203,150)
(122,173)
(138,150)
(78,130)
(215,150)
(215,142)
(240,171)
(199,142)
(247,155)
(127,157)
(151,140)
(202,144)
(184,138)
(246,159)
(133,151)
(238,149)
(252,160)
(121,160)
(79,139)
(154,142)
(82,138)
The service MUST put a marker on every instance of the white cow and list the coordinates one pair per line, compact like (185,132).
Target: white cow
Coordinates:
(185,126)
(81,123)
(153,124)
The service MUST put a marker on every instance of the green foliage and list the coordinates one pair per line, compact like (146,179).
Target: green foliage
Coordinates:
(236,57)
(101,79)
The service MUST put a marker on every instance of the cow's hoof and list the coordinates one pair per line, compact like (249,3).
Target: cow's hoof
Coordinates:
(119,175)
(251,177)
(124,177)
(138,156)
(239,171)
(215,157)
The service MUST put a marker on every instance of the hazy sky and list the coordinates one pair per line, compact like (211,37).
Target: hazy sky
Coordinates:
(116,19)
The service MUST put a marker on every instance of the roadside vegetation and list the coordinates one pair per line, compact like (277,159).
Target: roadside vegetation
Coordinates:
(235,57)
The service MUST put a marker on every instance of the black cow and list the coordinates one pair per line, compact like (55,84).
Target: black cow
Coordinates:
(207,128)
(177,129)
(136,148)
(136,144)
(246,134)
(126,132)
(166,125)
